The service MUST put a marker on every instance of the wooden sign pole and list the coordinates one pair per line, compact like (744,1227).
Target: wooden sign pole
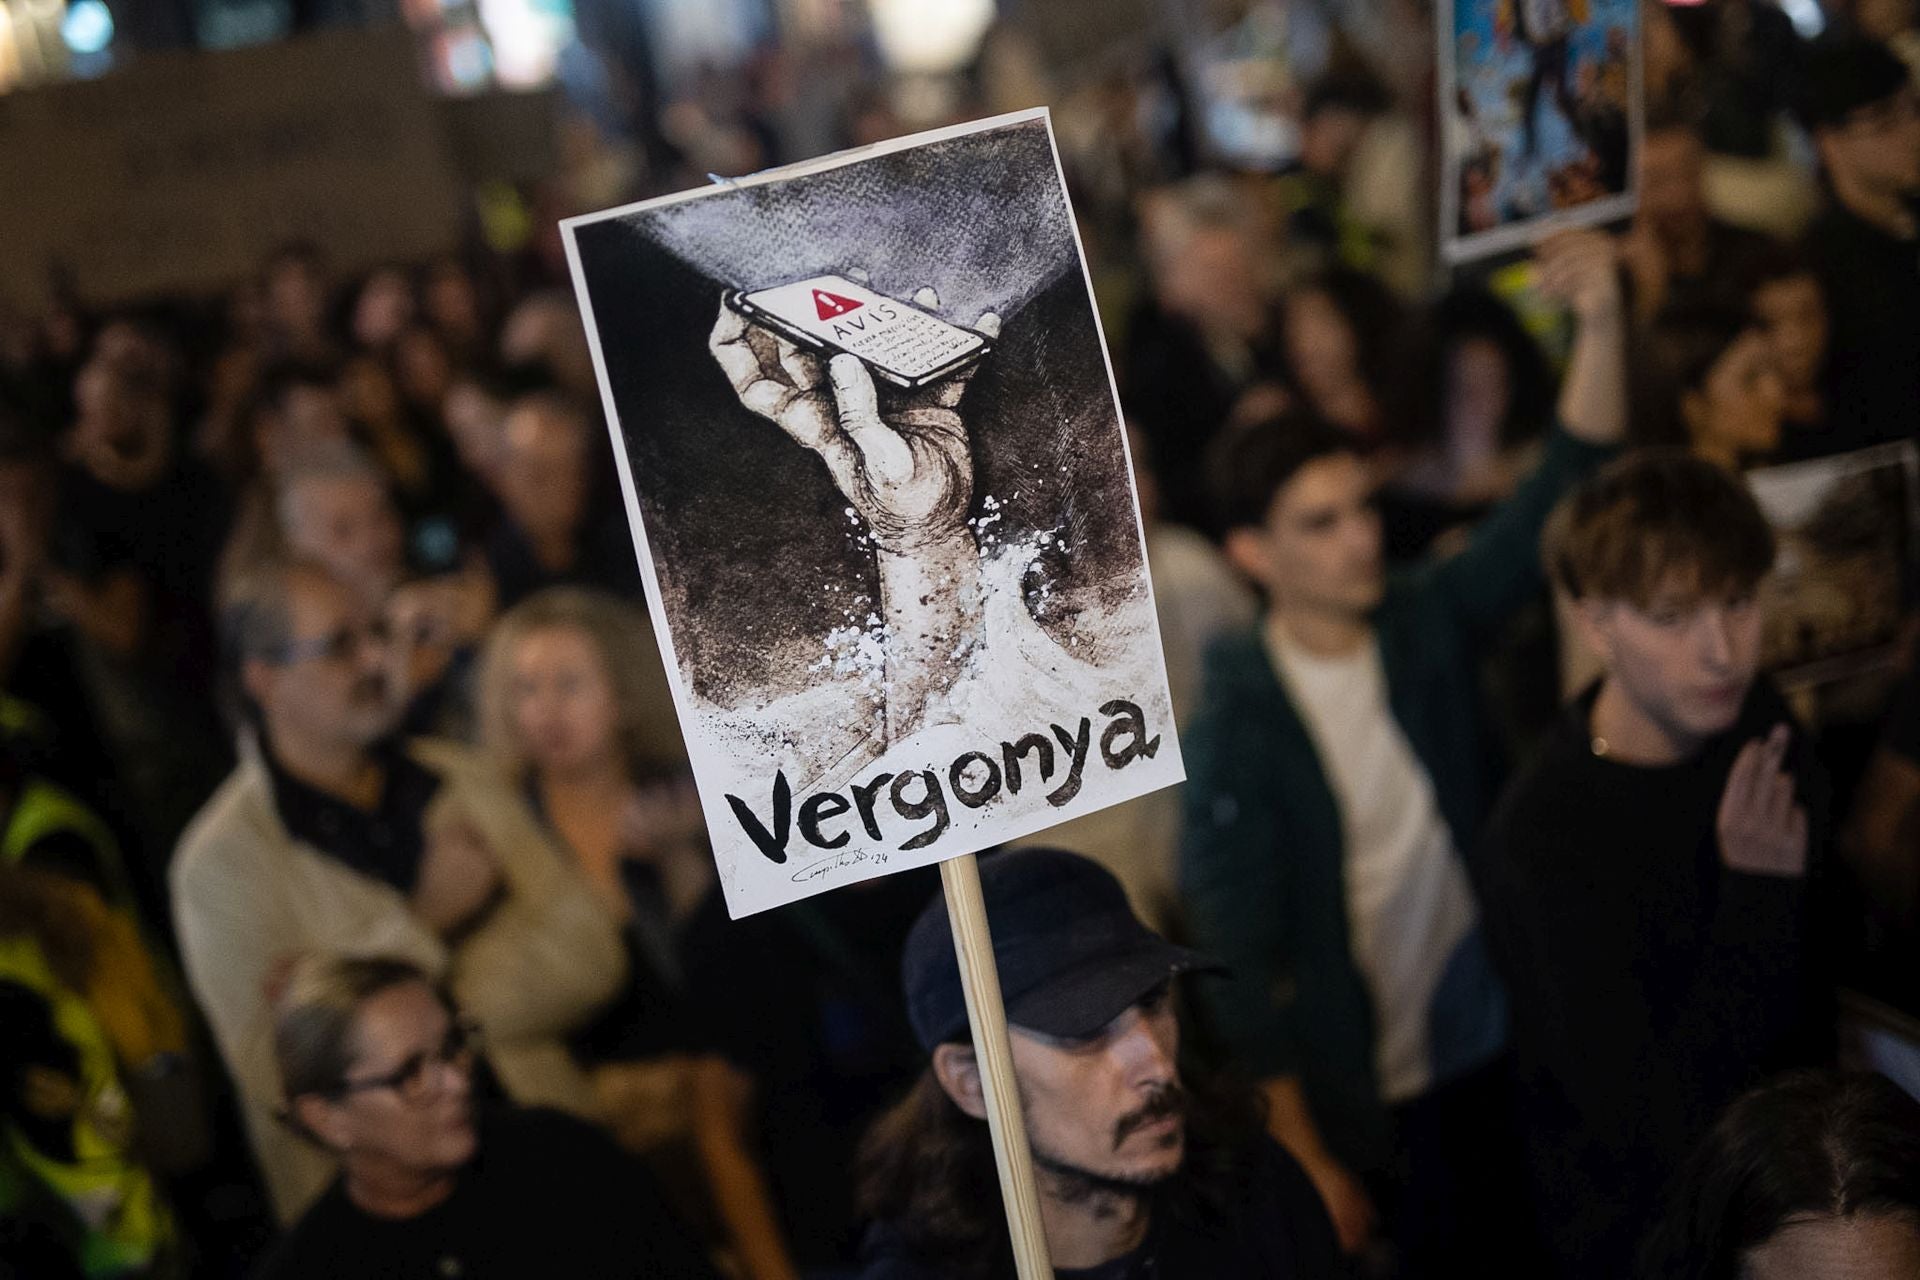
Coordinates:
(980,978)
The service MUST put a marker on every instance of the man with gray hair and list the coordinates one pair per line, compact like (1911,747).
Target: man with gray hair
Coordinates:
(334,507)
(332,834)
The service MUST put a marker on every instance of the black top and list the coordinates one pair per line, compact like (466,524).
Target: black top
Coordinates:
(806,999)
(1731,253)
(1650,986)
(1275,1228)
(386,843)
(604,560)
(1872,283)
(1180,395)
(1902,733)
(168,536)
(548,1195)
(654,1013)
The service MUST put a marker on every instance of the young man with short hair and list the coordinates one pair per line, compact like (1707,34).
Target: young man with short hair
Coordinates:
(1644,885)
(1143,1172)
(1335,770)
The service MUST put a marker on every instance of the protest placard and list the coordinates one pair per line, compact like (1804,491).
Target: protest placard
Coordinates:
(1540,107)
(330,138)
(875,470)
(1849,547)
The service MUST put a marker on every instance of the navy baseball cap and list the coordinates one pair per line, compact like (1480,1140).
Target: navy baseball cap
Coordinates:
(1072,955)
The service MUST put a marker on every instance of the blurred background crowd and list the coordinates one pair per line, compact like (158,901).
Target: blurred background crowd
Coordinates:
(291,558)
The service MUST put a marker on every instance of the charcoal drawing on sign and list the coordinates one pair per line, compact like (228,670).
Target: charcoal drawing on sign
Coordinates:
(906,621)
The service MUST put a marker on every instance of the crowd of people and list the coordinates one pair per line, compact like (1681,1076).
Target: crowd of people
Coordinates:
(356,912)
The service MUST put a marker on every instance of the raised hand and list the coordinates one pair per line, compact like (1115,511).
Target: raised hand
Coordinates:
(1762,831)
(1581,269)
(901,458)
(459,878)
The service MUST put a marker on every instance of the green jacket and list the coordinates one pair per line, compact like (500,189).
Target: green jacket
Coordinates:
(1262,856)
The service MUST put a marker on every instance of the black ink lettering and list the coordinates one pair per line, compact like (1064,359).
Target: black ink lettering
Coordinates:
(988,790)
(1128,719)
(1078,746)
(1012,751)
(863,795)
(828,804)
(772,843)
(933,806)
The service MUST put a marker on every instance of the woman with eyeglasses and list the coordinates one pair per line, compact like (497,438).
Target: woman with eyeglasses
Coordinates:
(377,1067)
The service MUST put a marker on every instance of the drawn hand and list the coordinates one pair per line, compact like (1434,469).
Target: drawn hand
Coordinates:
(901,458)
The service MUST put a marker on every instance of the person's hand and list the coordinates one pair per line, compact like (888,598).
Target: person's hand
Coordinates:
(459,878)
(1646,261)
(1257,404)
(1582,270)
(660,816)
(1762,831)
(445,612)
(901,458)
(1348,1204)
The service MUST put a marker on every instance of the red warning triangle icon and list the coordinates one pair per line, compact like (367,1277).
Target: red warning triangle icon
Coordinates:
(830,305)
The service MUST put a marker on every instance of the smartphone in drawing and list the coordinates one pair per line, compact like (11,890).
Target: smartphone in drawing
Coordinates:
(898,341)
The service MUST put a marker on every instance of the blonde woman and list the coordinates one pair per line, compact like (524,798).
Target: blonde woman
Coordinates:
(574,702)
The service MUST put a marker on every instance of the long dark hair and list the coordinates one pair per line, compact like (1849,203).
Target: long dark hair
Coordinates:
(1674,359)
(1812,1144)
(1465,314)
(926,1172)
(1377,320)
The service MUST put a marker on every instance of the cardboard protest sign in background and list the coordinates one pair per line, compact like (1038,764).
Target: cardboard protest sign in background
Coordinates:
(904,622)
(1540,118)
(330,139)
(1849,531)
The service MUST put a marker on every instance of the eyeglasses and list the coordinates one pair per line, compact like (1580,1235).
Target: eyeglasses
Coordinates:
(341,645)
(416,1080)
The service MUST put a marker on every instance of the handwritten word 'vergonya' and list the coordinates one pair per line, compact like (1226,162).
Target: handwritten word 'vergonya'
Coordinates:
(976,779)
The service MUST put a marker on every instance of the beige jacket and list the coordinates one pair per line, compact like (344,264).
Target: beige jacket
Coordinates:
(246,895)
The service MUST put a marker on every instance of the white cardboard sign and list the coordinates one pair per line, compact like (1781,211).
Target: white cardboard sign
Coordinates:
(906,612)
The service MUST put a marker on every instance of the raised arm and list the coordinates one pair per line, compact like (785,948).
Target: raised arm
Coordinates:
(1582,270)
(904,463)
(1499,569)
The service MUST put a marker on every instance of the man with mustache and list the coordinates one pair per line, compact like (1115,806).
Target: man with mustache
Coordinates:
(1142,1172)
(334,835)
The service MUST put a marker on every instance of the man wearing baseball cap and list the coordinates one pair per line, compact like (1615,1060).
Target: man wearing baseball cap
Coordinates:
(1144,1170)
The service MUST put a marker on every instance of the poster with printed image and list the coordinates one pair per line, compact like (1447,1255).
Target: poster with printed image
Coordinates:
(1540,107)
(879,489)
(1842,585)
